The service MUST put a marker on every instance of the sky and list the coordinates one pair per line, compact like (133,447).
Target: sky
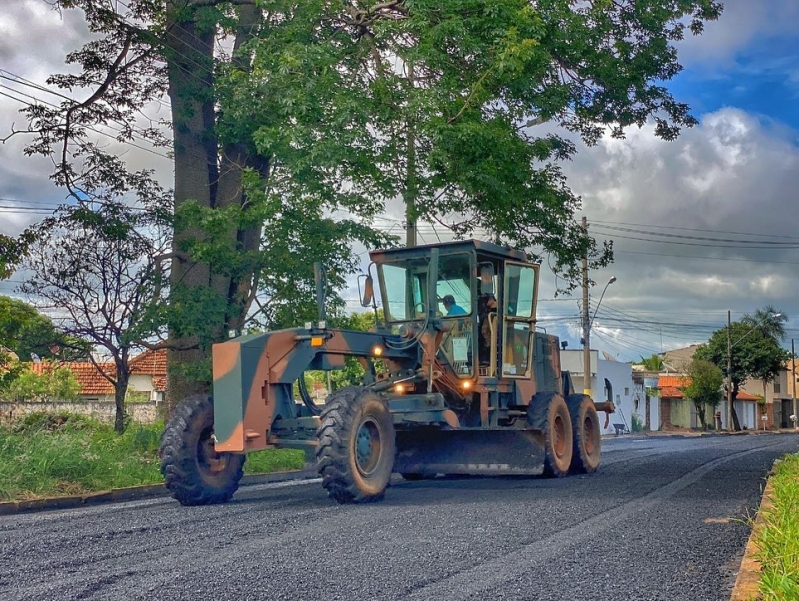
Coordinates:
(702,225)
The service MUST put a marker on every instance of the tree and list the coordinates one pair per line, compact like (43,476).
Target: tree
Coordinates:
(27,333)
(52,383)
(704,387)
(652,363)
(771,323)
(102,271)
(338,108)
(754,354)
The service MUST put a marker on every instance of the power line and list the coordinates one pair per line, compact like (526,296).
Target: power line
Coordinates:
(689,229)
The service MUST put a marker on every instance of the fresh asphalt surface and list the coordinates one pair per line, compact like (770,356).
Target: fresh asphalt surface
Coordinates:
(662,519)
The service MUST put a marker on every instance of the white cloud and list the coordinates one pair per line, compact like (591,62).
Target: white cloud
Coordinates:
(742,23)
(732,173)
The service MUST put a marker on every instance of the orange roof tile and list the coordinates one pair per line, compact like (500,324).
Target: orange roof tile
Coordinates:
(673,381)
(149,363)
(674,392)
(91,379)
(671,392)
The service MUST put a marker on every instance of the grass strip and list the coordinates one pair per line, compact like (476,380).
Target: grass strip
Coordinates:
(50,455)
(778,543)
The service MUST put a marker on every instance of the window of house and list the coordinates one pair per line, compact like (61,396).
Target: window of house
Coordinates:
(776,386)
(626,391)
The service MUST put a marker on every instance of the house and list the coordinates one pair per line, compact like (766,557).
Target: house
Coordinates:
(777,395)
(147,377)
(610,380)
(678,412)
(677,360)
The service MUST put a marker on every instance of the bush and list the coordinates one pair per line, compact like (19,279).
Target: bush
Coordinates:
(51,422)
(637,424)
(55,454)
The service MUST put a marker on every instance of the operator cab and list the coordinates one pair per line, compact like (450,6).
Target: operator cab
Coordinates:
(484,303)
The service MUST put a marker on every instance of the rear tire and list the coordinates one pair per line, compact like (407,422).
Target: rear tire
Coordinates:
(355,456)
(549,413)
(193,471)
(587,453)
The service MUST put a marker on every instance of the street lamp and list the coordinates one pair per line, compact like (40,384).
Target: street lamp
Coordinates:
(729,365)
(587,323)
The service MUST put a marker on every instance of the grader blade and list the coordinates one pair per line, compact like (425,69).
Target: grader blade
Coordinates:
(472,452)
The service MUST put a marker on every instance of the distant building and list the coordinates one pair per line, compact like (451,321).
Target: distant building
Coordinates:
(777,394)
(610,381)
(147,376)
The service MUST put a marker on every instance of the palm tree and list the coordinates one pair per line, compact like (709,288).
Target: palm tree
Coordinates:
(768,321)
(771,324)
(653,363)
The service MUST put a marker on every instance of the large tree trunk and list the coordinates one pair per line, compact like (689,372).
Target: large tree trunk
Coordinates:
(196,172)
(198,177)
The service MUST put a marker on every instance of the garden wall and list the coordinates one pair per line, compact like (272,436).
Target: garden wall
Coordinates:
(144,413)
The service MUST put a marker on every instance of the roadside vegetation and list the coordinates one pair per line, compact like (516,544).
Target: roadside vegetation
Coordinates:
(778,541)
(46,455)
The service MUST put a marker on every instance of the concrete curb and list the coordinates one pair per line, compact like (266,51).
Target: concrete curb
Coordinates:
(748,579)
(134,493)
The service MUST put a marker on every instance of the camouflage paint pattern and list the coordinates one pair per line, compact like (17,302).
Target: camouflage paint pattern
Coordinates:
(254,375)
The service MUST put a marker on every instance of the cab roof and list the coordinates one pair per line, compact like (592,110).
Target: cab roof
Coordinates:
(494,251)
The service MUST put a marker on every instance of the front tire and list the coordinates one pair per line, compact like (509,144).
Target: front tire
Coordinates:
(355,456)
(549,413)
(193,471)
(587,453)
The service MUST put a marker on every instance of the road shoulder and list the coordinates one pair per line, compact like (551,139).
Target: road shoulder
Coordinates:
(134,493)
(748,579)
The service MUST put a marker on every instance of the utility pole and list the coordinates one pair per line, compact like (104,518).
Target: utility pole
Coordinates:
(410,177)
(729,373)
(793,379)
(586,322)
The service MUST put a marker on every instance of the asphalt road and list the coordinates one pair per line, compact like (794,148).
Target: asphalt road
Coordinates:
(662,519)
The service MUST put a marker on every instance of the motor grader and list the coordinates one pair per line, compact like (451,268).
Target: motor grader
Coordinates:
(475,390)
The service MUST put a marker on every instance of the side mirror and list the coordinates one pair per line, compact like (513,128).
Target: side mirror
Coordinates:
(368,294)
(486,278)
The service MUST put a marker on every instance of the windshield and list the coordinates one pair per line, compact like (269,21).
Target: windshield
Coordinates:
(405,288)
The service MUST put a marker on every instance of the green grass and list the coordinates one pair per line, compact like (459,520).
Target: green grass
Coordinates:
(778,543)
(47,455)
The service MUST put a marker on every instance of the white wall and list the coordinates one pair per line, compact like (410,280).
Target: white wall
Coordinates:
(621,379)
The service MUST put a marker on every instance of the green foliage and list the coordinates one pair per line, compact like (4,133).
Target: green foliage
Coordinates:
(778,541)
(435,103)
(637,423)
(25,332)
(46,454)
(652,363)
(755,354)
(704,389)
(54,383)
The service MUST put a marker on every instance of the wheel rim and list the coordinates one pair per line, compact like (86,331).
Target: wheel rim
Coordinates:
(588,434)
(558,436)
(208,459)
(367,447)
